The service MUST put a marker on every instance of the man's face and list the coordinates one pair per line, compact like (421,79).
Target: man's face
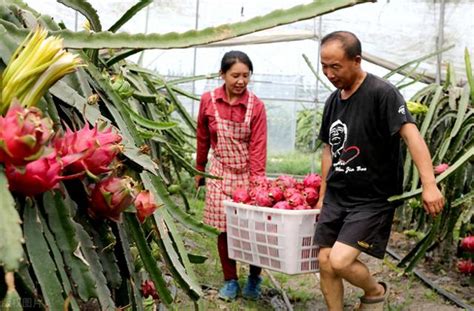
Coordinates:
(339,69)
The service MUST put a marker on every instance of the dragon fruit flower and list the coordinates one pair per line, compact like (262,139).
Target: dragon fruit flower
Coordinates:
(312,181)
(99,149)
(23,135)
(38,176)
(441,168)
(145,205)
(110,197)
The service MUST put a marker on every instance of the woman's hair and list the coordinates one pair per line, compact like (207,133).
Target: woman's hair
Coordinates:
(232,57)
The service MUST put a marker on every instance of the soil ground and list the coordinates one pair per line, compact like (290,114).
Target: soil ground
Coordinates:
(407,292)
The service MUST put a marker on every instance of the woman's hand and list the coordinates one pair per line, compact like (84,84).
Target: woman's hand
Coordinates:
(198,181)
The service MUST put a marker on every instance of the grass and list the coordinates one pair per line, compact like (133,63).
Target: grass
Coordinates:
(293,163)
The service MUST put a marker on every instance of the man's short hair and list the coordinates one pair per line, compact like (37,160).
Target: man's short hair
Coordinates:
(349,41)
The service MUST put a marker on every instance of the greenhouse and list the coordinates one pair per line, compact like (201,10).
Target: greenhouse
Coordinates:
(194,154)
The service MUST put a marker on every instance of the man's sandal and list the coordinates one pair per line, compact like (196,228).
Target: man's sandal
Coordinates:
(375,304)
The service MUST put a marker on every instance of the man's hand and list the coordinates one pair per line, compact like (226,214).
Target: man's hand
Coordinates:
(433,200)
(319,205)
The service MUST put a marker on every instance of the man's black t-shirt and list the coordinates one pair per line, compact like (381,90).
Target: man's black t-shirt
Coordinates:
(362,132)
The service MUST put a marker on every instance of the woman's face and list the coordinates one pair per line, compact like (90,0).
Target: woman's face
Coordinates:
(236,79)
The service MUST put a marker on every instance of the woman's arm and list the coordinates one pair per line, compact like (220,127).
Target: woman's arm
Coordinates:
(258,141)
(203,138)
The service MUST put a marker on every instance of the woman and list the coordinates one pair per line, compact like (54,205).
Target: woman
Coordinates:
(232,122)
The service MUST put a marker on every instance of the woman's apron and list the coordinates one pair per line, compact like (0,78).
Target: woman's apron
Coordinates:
(229,160)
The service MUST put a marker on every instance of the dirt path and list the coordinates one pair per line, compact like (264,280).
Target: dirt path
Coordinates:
(407,293)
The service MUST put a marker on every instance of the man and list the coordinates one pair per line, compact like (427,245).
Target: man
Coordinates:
(361,166)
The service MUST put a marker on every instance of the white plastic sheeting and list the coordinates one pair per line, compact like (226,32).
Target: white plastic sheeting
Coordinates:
(395,30)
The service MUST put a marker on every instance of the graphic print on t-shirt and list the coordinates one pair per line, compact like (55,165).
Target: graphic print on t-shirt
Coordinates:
(342,155)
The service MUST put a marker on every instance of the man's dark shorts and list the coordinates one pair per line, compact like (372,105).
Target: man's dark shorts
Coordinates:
(368,231)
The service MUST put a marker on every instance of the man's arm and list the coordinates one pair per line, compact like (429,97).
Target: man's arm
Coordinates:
(433,200)
(326,162)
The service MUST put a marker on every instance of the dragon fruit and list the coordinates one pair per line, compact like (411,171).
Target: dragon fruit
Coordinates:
(302,207)
(98,148)
(23,135)
(299,186)
(110,197)
(285,181)
(148,289)
(240,195)
(311,196)
(145,205)
(289,192)
(468,243)
(276,194)
(262,198)
(282,205)
(259,182)
(441,168)
(38,176)
(296,199)
(312,181)
(466,266)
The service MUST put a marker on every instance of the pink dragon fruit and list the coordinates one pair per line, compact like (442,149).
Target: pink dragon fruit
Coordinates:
(145,205)
(312,181)
(276,194)
(23,135)
(302,207)
(282,205)
(110,197)
(262,198)
(98,148)
(466,266)
(38,176)
(441,168)
(468,243)
(311,196)
(289,192)
(148,289)
(299,186)
(259,182)
(296,199)
(240,195)
(285,181)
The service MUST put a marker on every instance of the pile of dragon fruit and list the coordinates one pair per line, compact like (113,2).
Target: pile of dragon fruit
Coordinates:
(284,192)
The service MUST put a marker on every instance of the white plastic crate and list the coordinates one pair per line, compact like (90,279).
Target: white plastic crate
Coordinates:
(279,240)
